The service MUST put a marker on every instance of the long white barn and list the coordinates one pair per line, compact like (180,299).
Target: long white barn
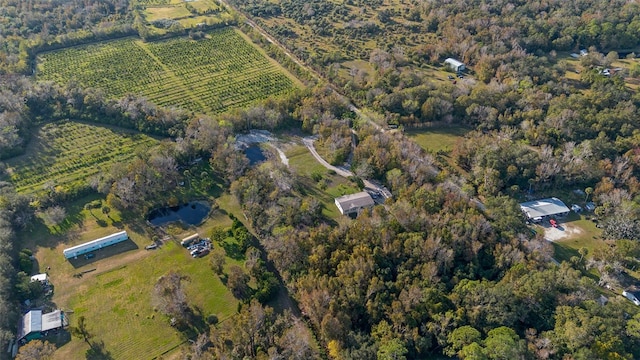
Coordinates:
(96,244)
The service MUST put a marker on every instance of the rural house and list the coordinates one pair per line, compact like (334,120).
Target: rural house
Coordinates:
(543,209)
(354,203)
(454,65)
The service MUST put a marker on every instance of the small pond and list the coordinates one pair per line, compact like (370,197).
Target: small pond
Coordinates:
(254,154)
(192,213)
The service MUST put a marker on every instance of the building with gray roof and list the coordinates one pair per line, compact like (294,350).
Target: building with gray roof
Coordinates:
(543,209)
(354,203)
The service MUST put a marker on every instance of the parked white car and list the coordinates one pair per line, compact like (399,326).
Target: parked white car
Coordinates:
(634,296)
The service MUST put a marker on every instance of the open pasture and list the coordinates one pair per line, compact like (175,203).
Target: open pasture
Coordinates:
(68,153)
(116,298)
(209,75)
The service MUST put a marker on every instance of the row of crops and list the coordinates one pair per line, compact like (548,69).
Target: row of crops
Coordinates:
(68,153)
(209,75)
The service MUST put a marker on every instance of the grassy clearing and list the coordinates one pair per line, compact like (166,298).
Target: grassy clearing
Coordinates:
(438,138)
(327,188)
(67,153)
(169,12)
(116,297)
(210,75)
(589,238)
(575,68)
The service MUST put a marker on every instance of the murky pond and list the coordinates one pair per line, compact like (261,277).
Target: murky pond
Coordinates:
(192,213)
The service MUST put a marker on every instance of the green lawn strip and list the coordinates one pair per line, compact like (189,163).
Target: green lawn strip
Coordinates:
(153,13)
(589,238)
(438,137)
(304,164)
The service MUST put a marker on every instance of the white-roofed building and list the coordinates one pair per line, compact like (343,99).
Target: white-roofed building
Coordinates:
(34,323)
(354,203)
(93,245)
(455,65)
(43,278)
(543,209)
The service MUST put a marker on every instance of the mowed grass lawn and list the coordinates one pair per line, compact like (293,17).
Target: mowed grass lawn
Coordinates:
(224,70)
(116,298)
(437,138)
(304,164)
(168,12)
(589,238)
(68,153)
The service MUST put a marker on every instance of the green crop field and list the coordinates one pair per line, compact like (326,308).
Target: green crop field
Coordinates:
(68,153)
(209,75)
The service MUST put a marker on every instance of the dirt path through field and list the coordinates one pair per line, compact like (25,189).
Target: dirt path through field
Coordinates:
(176,80)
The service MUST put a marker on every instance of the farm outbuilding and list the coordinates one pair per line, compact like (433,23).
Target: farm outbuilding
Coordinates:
(34,323)
(354,203)
(43,278)
(455,65)
(543,209)
(96,244)
(189,240)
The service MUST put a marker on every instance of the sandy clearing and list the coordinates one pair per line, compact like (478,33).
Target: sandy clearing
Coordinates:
(563,231)
(261,136)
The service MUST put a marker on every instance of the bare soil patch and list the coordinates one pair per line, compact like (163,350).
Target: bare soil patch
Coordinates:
(563,231)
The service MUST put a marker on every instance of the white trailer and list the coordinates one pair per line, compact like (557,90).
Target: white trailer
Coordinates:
(189,240)
(96,244)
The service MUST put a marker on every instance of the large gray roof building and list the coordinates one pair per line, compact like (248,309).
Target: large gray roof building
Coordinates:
(539,210)
(354,203)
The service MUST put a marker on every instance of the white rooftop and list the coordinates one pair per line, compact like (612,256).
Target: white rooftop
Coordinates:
(35,321)
(544,207)
(453,62)
(39,277)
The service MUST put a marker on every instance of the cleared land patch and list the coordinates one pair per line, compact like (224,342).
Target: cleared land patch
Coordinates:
(68,153)
(437,138)
(209,75)
(320,183)
(116,298)
(168,12)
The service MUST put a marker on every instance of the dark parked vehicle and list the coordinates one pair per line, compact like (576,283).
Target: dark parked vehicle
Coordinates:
(200,253)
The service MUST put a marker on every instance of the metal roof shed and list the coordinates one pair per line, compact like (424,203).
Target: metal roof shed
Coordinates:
(43,278)
(353,203)
(455,65)
(33,323)
(544,208)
